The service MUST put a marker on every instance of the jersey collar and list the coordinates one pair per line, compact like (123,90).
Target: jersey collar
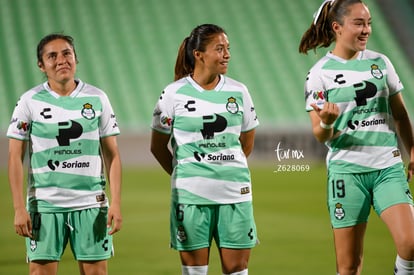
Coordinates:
(74,93)
(201,89)
(341,60)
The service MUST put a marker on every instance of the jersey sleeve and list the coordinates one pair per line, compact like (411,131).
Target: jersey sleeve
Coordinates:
(314,89)
(19,127)
(108,123)
(393,80)
(250,120)
(163,115)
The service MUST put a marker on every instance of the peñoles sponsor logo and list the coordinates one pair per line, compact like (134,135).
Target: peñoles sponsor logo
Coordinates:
(366,111)
(212,145)
(68,152)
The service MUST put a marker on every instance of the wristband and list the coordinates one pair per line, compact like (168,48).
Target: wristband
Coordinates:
(326,126)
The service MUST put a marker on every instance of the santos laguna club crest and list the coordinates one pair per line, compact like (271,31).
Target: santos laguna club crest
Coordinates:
(376,72)
(87,111)
(232,106)
(339,211)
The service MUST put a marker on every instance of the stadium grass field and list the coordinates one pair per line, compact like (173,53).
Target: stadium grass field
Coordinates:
(294,230)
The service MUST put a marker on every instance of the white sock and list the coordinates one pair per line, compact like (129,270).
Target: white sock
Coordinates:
(243,272)
(403,267)
(194,270)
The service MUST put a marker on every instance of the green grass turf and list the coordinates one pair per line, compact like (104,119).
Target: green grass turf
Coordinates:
(290,213)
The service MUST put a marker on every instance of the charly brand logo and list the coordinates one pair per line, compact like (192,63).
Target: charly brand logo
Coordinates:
(291,155)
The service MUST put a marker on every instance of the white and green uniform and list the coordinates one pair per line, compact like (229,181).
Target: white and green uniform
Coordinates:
(209,164)
(364,136)
(66,168)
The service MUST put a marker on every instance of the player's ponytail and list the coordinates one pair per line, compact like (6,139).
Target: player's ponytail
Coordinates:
(198,40)
(184,64)
(320,33)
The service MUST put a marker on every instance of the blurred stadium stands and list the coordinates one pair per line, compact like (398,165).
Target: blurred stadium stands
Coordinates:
(128,48)
(400,17)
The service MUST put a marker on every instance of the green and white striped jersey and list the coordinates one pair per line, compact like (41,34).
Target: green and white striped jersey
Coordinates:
(209,164)
(364,133)
(65,164)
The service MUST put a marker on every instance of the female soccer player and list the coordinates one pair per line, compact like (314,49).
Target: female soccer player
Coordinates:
(210,120)
(70,129)
(354,100)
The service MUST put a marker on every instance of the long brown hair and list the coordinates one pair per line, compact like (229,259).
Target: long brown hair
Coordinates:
(320,32)
(199,38)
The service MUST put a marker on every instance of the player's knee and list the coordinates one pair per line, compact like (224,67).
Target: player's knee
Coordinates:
(352,271)
(235,269)
(405,247)
(351,267)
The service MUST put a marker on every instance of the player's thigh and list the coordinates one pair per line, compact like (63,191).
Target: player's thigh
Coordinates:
(400,222)
(93,267)
(43,267)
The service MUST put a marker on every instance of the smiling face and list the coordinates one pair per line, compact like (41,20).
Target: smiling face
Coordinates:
(58,62)
(352,35)
(215,58)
